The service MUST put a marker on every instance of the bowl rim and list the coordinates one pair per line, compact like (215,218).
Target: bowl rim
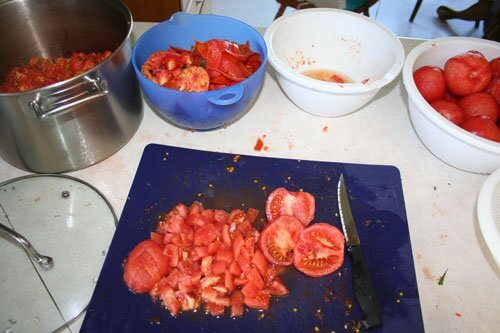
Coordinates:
(172,21)
(331,87)
(424,108)
(484,209)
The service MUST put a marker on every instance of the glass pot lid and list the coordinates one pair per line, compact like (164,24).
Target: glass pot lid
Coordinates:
(63,218)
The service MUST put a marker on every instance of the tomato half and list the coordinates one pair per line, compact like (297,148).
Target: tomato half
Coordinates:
(297,204)
(278,240)
(320,250)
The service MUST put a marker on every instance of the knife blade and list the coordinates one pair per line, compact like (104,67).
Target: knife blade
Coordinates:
(361,281)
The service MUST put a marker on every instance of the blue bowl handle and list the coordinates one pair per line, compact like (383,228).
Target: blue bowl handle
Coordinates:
(227,96)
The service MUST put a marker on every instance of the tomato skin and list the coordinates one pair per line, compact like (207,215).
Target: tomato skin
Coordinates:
(449,110)
(144,267)
(430,83)
(482,127)
(320,250)
(278,240)
(479,104)
(467,73)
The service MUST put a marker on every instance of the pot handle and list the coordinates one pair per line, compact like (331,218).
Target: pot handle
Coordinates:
(227,96)
(60,101)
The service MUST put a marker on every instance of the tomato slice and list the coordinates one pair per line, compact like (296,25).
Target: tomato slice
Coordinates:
(283,202)
(320,250)
(278,240)
(279,203)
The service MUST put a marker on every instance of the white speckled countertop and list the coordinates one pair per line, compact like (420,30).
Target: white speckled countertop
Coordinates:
(440,200)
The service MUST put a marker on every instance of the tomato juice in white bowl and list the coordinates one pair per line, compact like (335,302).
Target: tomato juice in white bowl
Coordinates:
(449,142)
(349,44)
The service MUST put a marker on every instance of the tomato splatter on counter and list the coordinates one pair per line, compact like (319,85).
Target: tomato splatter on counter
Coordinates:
(458,314)
(42,72)
(365,81)
(325,129)
(259,144)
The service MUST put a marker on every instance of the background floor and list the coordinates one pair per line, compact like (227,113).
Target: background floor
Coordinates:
(394,14)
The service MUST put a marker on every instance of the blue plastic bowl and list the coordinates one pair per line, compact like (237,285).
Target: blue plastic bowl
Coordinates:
(199,110)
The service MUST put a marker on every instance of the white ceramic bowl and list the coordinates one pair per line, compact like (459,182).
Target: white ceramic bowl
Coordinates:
(332,39)
(449,142)
(488,213)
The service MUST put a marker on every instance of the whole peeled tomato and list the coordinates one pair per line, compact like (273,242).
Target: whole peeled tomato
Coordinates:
(494,89)
(479,104)
(495,68)
(482,127)
(449,110)
(430,83)
(467,73)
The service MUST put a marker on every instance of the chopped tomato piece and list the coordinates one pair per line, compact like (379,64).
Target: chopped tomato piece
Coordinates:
(250,289)
(206,265)
(224,255)
(251,215)
(260,262)
(221,216)
(215,309)
(235,269)
(229,281)
(218,267)
(278,288)
(213,248)
(255,278)
(259,301)
(205,235)
(170,301)
(244,263)
(237,302)
(238,244)
(240,281)
(197,220)
(171,251)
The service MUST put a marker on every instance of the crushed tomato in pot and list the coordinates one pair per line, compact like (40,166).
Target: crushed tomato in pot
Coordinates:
(209,65)
(42,72)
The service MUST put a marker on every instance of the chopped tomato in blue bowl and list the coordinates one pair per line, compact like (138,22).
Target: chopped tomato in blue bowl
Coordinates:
(200,72)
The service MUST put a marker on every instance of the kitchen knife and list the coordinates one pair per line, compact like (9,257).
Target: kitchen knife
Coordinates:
(362,284)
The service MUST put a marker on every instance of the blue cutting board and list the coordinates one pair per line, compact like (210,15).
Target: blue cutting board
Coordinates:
(169,175)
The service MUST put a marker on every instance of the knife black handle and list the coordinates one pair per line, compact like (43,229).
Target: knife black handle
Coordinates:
(363,288)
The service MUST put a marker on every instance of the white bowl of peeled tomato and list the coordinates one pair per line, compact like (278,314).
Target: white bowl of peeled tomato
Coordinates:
(453,87)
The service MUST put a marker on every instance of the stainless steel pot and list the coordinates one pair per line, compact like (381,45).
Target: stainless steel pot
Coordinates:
(81,121)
